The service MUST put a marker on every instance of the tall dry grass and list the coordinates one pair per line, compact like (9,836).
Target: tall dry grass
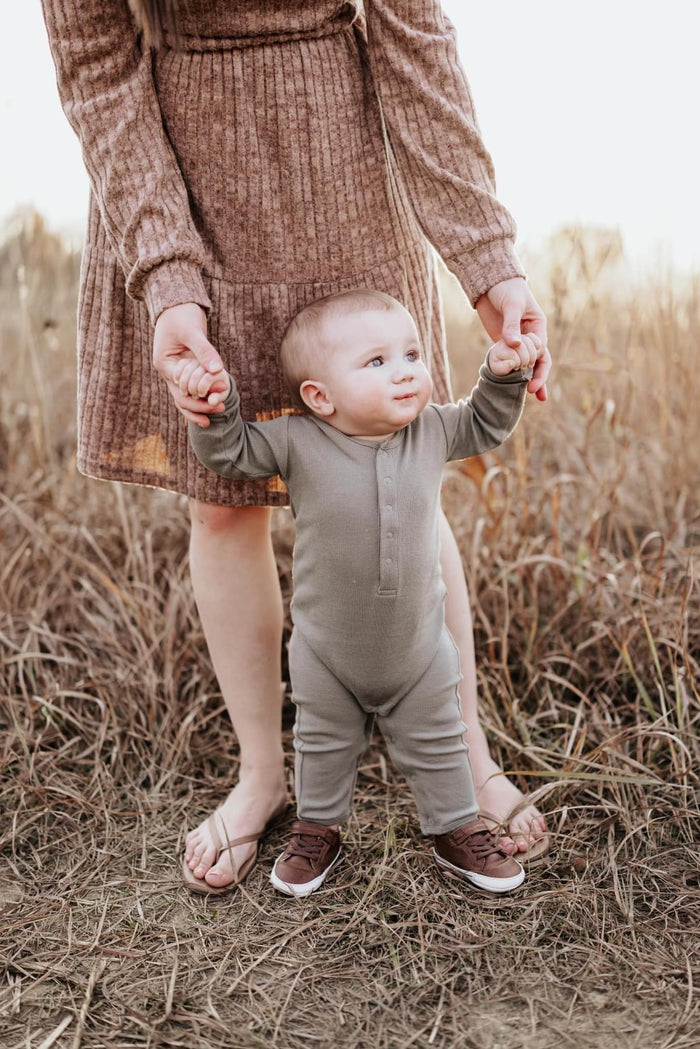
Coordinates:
(580,545)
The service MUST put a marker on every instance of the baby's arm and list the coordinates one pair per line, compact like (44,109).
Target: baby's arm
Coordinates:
(489,415)
(236,449)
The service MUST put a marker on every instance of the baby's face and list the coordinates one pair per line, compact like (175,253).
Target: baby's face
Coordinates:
(373,376)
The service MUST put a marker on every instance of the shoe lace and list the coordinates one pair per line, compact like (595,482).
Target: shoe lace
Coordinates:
(307,846)
(482,843)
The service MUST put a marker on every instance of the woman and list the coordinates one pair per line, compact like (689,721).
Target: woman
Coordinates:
(254,157)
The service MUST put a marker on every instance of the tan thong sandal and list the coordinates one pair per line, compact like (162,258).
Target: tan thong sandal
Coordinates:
(199,885)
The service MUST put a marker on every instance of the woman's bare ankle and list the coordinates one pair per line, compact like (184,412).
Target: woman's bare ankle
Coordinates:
(479,754)
(265,776)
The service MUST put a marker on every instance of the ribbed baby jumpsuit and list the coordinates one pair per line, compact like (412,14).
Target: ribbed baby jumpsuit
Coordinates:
(369,638)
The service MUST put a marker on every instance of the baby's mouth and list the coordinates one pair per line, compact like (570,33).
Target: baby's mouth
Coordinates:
(404,396)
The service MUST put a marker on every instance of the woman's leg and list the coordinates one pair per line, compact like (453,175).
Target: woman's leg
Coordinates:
(495,793)
(237,591)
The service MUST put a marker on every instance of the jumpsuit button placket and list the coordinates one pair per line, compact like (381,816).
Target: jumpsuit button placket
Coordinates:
(388,563)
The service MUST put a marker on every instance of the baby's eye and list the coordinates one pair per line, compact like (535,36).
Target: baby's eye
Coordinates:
(376,362)
(413,355)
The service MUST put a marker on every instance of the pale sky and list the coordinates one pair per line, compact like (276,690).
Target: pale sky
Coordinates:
(589,111)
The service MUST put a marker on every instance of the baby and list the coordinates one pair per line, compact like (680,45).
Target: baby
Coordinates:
(363,469)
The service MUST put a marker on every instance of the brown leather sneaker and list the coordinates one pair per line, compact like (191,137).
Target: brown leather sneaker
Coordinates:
(472,852)
(308,858)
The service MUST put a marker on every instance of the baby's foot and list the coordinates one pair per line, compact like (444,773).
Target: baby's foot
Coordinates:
(497,796)
(246,810)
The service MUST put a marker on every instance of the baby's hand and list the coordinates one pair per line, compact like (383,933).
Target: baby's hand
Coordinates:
(196,381)
(506,359)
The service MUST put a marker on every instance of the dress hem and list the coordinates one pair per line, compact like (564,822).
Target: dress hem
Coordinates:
(144,479)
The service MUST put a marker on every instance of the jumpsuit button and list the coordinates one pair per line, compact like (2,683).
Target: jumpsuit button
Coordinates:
(390,535)
(387,480)
(388,507)
(388,561)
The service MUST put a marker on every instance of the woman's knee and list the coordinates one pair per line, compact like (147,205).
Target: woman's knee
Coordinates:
(246,521)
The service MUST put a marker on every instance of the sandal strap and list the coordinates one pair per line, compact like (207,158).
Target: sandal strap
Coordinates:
(486,815)
(228,844)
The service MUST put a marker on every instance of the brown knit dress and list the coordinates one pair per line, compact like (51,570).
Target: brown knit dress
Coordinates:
(247,167)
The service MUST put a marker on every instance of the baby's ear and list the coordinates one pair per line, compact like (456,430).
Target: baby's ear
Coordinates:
(315,397)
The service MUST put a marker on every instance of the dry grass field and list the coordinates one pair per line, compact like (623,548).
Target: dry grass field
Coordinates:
(580,542)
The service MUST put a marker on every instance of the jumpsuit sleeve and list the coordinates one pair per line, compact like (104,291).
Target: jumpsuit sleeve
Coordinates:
(483,420)
(105,83)
(432,128)
(235,449)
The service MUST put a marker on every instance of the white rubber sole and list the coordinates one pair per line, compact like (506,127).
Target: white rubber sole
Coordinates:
(307,887)
(480,881)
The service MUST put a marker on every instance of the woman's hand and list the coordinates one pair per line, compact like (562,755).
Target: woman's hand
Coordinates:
(181,336)
(509,310)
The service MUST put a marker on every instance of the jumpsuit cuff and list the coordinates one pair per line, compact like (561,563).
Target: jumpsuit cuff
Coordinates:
(521,375)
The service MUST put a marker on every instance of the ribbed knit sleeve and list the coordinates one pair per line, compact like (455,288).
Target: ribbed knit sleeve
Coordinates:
(106,88)
(432,127)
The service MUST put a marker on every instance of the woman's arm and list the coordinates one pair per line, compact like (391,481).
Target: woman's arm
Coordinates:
(106,87)
(432,127)
(445,167)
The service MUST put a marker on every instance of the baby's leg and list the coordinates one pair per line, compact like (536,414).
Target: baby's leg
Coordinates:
(424,732)
(331,732)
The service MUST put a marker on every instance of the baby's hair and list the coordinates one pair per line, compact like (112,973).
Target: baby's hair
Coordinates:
(303,344)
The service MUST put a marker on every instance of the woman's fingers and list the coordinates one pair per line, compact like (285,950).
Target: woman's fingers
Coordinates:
(205,352)
(512,315)
(535,323)
(197,404)
(170,367)
(538,382)
(193,417)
